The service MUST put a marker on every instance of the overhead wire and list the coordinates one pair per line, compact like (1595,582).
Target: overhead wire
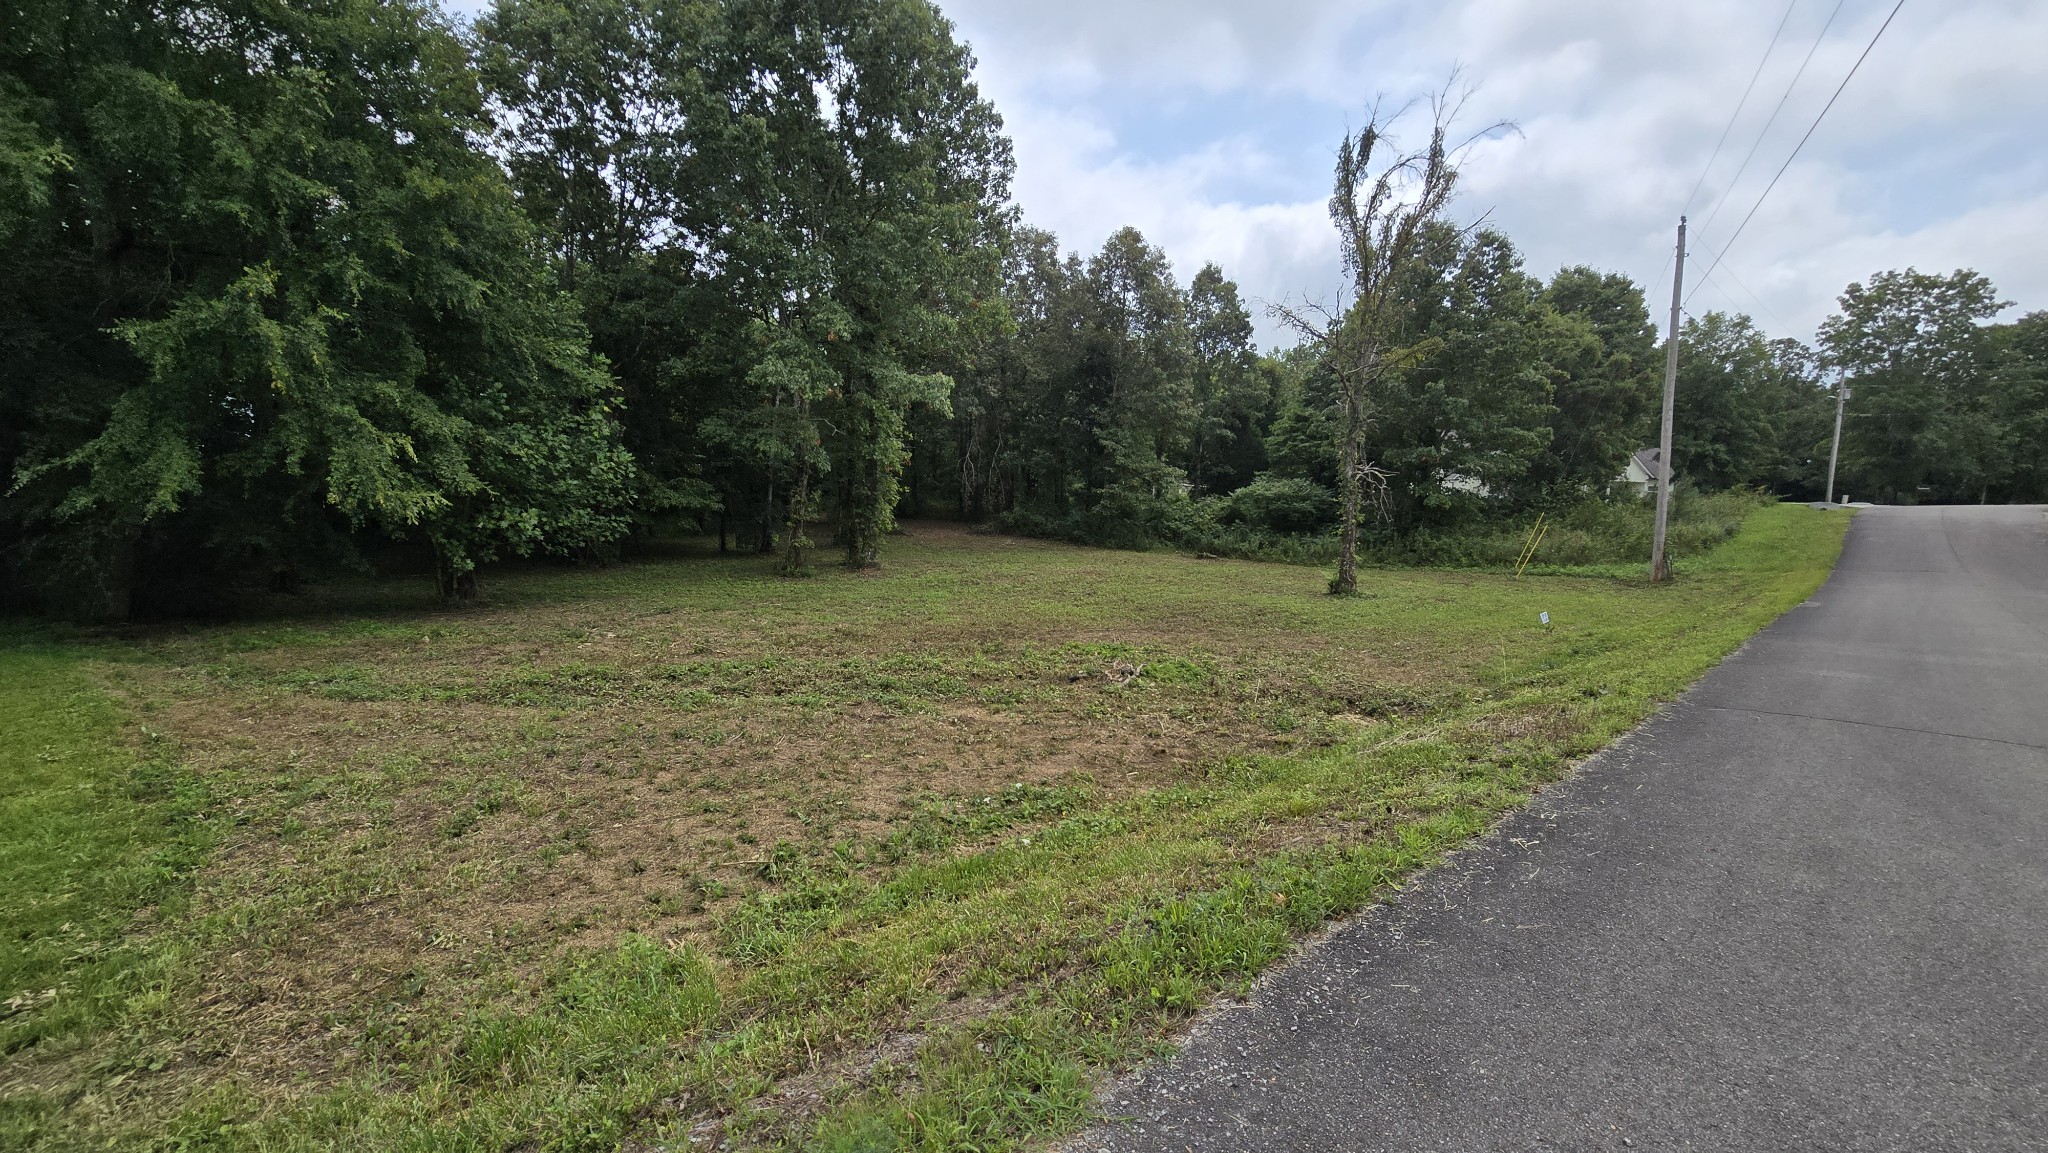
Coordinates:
(1853,69)
(1755,296)
(1746,291)
(1776,35)
(1740,105)
(1765,131)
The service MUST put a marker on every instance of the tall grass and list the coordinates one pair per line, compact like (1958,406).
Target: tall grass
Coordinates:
(1592,534)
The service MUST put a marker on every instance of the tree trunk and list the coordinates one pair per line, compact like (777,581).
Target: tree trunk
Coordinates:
(864,515)
(1350,485)
(454,584)
(970,483)
(795,558)
(113,596)
(861,522)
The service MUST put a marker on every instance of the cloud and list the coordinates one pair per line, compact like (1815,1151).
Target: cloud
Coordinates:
(1210,126)
(1070,171)
(1204,45)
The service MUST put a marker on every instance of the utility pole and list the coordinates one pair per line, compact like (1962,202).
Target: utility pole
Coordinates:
(1835,453)
(1660,565)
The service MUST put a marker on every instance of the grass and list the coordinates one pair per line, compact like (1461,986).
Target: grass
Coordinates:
(681,850)
(96,842)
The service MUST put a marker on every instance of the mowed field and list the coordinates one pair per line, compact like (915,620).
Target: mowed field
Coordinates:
(680,854)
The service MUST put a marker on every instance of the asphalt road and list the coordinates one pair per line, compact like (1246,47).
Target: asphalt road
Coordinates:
(1804,908)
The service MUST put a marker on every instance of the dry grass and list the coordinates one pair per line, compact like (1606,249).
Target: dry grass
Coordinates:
(463,798)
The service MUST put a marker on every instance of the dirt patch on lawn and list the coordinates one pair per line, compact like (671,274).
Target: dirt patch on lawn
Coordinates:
(417,819)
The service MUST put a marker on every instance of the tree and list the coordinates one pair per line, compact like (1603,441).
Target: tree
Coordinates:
(1301,442)
(1604,352)
(1134,378)
(1913,347)
(2018,385)
(1078,418)
(265,296)
(1746,409)
(861,207)
(1460,426)
(784,218)
(1383,204)
(589,96)
(1229,397)
(1006,387)
(598,108)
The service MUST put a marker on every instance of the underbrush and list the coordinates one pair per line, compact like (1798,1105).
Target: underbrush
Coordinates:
(1591,534)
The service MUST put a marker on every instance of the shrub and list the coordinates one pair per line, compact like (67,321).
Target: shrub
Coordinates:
(1293,522)
(1284,505)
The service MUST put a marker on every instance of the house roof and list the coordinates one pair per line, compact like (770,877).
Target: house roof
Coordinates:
(1646,459)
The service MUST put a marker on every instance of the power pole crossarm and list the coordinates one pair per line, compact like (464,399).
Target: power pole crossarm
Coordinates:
(1660,564)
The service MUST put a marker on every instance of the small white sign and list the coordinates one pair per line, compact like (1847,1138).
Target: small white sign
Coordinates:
(1544,617)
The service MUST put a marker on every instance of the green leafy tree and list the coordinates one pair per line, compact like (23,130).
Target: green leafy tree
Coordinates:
(1606,380)
(1301,442)
(2018,383)
(784,219)
(1461,424)
(860,208)
(1078,425)
(1134,377)
(1011,412)
(265,296)
(1802,413)
(1730,395)
(1914,349)
(596,105)
(1230,397)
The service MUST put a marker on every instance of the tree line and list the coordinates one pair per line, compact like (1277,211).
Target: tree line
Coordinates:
(291,287)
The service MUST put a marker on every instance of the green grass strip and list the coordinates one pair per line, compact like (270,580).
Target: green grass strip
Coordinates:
(94,840)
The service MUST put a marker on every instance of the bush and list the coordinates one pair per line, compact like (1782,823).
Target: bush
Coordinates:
(1282,505)
(1593,532)
(1128,518)
(1293,522)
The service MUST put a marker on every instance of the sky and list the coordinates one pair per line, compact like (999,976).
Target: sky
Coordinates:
(1211,126)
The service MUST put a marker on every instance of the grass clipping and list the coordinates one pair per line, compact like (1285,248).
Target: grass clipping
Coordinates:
(680,854)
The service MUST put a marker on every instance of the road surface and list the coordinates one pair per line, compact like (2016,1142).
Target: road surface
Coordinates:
(1804,908)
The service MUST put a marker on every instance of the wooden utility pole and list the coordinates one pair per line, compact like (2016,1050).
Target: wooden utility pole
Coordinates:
(1835,453)
(1660,565)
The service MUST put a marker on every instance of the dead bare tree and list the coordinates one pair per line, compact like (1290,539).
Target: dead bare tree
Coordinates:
(1384,201)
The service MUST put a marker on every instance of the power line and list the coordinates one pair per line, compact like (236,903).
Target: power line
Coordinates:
(1733,117)
(1766,129)
(1729,272)
(1739,106)
(1809,135)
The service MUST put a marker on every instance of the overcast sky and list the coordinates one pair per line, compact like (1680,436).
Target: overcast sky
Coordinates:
(1210,125)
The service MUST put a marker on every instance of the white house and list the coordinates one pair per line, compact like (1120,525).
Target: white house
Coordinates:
(1641,472)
